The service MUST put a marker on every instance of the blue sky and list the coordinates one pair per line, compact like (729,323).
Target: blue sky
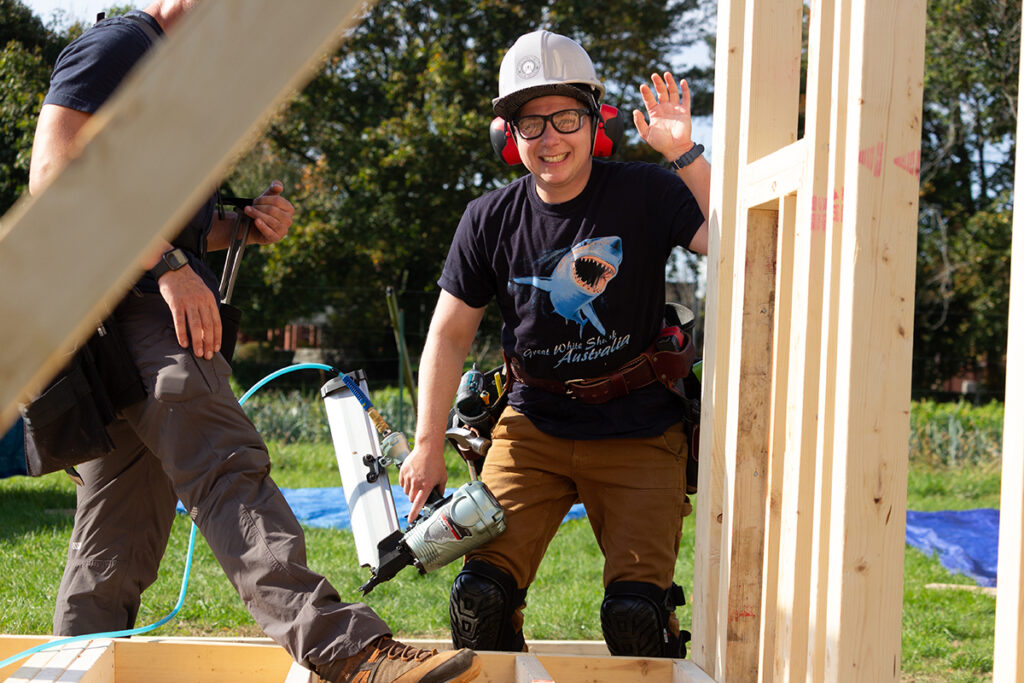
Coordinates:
(75,9)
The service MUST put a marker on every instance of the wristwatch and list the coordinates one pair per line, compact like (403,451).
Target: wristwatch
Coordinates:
(688,158)
(171,260)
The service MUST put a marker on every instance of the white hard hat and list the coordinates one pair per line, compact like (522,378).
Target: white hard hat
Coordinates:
(545,63)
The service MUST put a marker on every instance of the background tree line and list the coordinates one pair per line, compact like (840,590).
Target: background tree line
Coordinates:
(383,149)
(967,167)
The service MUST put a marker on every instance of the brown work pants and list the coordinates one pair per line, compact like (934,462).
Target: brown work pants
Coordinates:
(633,491)
(190,440)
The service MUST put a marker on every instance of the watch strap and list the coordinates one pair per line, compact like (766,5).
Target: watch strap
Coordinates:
(688,158)
(170,260)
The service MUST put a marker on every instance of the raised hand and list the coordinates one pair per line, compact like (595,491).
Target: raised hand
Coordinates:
(668,108)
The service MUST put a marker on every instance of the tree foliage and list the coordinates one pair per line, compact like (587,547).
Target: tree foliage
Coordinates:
(27,51)
(23,79)
(970,119)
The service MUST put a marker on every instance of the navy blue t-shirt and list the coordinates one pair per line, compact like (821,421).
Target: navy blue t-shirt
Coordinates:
(580,287)
(88,71)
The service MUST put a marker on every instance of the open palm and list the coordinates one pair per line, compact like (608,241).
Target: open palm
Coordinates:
(668,108)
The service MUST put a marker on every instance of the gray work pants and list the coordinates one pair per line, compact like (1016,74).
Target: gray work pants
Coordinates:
(190,440)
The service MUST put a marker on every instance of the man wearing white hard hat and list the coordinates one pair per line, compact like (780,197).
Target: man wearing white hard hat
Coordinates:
(574,254)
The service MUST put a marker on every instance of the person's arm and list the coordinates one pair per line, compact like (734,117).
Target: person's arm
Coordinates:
(195,309)
(193,306)
(669,133)
(52,149)
(451,333)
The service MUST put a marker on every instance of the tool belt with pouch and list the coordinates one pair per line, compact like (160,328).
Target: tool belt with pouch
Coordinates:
(65,425)
(668,360)
(666,366)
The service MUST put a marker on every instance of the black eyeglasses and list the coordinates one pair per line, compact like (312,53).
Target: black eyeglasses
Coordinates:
(565,121)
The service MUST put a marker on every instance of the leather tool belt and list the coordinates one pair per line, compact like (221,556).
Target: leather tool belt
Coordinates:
(653,365)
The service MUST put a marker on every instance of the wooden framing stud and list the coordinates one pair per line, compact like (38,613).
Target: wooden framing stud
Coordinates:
(873,330)
(685,671)
(530,670)
(260,660)
(796,418)
(1008,662)
(747,447)
(300,674)
(85,661)
(730,49)
(774,175)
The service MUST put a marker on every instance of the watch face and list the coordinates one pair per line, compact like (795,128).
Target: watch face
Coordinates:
(175,259)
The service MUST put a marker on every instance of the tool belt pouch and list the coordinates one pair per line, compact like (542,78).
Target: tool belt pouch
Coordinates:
(230,321)
(691,425)
(66,424)
(688,388)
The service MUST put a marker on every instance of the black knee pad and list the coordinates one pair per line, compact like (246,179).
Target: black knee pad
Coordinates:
(483,601)
(635,620)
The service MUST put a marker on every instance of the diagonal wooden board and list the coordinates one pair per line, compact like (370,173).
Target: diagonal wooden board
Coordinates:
(150,156)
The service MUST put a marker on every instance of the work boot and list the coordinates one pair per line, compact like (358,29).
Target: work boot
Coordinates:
(388,661)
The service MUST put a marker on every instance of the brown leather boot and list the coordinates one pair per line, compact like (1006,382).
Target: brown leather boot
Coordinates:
(388,661)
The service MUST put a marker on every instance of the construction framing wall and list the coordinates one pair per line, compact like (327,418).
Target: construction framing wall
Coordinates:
(801,514)
(802,510)
(808,343)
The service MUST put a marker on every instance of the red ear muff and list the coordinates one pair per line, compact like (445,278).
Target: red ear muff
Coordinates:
(609,133)
(503,143)
(610,130)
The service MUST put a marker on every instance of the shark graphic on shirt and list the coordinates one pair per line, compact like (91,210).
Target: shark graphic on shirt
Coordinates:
(580,277)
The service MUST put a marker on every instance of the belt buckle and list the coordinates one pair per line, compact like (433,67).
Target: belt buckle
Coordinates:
(570,385)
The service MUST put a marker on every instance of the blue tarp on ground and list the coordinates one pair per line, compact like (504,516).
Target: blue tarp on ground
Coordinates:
(325,507)
(12,451)
(967,541)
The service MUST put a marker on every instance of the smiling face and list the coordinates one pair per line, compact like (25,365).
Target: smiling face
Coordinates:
(560,162)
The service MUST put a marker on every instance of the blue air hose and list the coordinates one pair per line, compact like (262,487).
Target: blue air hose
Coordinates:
(291,368)
(363,400)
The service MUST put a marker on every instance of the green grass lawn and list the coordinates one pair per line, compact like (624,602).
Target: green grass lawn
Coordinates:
(947,635)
